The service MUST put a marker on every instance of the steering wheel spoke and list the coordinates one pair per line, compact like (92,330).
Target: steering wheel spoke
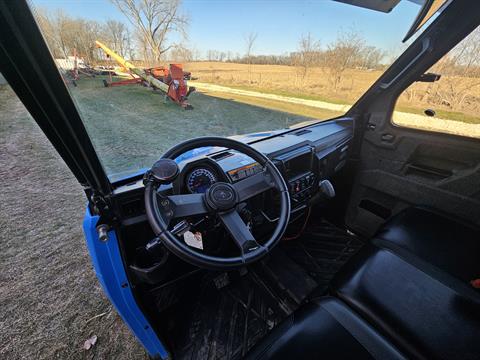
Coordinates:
(180,206)
(254,185)
(239,231)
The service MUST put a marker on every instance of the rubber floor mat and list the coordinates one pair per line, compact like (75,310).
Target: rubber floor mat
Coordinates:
(234,311)
(322,250)
(225,314)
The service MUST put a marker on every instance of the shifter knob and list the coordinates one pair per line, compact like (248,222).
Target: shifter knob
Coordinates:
(327,189)
(165,171)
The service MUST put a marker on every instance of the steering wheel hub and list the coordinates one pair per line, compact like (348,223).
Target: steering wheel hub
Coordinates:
(221,196)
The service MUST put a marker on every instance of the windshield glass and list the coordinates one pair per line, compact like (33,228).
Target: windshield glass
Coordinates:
(147,74)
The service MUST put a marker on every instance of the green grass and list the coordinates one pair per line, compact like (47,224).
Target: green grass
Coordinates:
(132,126)
(50,295)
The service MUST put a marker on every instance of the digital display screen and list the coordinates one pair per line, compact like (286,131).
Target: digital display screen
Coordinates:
(297,165)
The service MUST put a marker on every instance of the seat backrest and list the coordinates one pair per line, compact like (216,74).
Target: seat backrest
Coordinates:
(444,242)
(427,313)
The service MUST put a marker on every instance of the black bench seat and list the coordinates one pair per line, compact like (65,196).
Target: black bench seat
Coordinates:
(406,294)
(326,329)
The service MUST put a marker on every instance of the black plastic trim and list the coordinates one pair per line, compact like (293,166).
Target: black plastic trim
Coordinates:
(26,63)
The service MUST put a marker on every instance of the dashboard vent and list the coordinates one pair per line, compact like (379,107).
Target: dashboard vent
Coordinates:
(302,132)
(222,155)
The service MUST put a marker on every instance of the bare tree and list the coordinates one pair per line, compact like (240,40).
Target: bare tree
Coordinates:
(460,70)
(250,39)
(342,54)
(181,53)
(118,37)
(308,53)
(212,55)
(154,21)
(371,57)
(84,36)
(49,31)
(65,34)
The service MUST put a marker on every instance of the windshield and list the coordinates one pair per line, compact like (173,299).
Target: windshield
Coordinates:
(147,74)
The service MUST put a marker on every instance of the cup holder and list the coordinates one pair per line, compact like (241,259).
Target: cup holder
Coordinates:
(149,266)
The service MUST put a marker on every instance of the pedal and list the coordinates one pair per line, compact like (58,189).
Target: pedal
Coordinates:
(221,281)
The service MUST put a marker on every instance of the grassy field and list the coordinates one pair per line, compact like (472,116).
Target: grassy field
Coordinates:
(285,80)
(132,126)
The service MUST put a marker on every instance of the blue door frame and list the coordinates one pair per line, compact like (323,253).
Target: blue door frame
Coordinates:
(110,271)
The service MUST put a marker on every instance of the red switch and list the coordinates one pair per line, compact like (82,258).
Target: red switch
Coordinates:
(475,283)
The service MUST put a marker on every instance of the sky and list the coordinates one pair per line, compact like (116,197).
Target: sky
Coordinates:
(223,25)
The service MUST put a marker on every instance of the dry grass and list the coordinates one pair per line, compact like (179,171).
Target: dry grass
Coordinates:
(320,109)
(48,290)
(452,97)
(285,80)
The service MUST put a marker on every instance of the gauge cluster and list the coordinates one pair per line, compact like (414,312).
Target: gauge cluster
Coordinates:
(200,179)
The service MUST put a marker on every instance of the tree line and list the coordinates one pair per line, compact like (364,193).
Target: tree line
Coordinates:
(349,50)
(145,36)
(65,34)
(349,46)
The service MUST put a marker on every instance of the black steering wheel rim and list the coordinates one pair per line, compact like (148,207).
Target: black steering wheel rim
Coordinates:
(182,250)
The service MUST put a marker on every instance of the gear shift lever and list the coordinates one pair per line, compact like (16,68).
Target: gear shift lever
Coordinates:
(326,189)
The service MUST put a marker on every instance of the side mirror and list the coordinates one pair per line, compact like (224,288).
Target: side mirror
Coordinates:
(430,112)
(429,77)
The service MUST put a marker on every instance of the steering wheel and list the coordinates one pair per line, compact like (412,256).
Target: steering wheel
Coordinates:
(221,199)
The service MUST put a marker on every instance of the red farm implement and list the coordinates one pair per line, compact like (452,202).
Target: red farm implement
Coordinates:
(172,81)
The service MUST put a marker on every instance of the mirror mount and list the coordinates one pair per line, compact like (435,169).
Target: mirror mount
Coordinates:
(429,77)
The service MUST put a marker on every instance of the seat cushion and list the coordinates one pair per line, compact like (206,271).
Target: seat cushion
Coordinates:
(324,329)
(425,312)
(450,245)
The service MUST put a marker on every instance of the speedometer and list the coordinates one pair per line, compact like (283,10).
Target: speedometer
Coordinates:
(199,180)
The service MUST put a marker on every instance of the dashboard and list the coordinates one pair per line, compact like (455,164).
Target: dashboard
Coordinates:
(304,157)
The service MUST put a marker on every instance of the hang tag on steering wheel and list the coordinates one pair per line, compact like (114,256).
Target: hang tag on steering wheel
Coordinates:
(193,239)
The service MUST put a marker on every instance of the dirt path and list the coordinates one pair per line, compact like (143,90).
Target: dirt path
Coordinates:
(401,118)
(312,103)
